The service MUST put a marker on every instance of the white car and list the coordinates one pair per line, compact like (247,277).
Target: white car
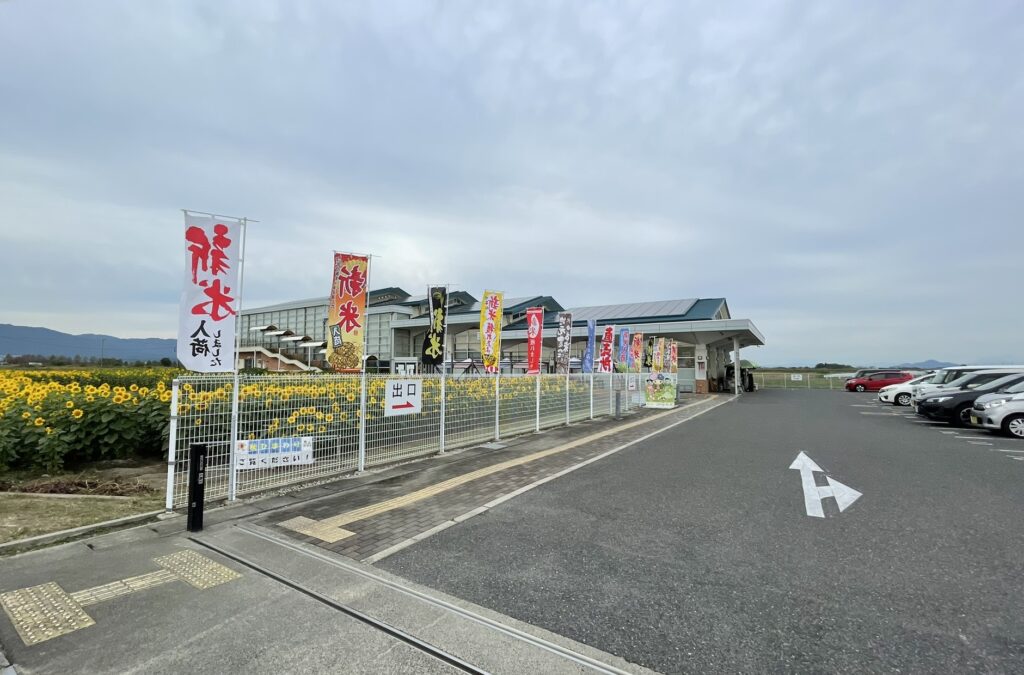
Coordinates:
(1002,411)
(944,377)
(900,394)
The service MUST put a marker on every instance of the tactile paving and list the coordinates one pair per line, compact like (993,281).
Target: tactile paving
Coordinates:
(43,612)
(197,570)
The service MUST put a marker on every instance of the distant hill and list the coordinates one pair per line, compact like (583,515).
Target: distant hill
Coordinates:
(18,340)
(930,364)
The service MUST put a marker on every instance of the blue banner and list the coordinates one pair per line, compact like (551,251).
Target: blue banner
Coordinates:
(623,346)
(588,354)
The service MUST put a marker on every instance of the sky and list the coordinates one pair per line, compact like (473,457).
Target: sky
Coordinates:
(848,175)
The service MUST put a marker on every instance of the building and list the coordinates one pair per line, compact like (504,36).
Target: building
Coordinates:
(292,335)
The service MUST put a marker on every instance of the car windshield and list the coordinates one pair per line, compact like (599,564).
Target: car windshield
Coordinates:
(961,381)
(1016,389)
(942,376)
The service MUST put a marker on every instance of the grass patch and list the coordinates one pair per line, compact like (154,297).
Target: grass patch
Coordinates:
(30,515)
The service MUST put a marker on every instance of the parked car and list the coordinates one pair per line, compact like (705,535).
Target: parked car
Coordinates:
(899,394)
(876,381)
(954,405)
(945,376)
(1002,411)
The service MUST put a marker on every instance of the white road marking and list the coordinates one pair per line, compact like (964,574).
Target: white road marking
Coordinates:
(862,405)
(979,442)
(877,413)
(813,494)
(1005,450)
(1019,459)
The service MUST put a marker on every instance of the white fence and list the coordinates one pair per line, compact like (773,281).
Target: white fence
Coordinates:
(329,411)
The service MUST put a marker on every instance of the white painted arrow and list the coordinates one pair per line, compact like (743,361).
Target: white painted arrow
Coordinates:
(813,494)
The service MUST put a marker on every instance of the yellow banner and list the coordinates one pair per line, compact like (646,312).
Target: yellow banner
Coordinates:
(490,330)
(346,313)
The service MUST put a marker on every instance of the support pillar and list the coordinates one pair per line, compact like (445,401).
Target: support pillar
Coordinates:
(700,368)
(737,379)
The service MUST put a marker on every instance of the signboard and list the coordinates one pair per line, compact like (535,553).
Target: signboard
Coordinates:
(588,353)
(649,353)
(433,342)
(563,342)
(796,377)
(267,453)
(607,347)
(534,339)
(490,330)
(403,397)
(209,301)
(346,312)
(661,390)
(673,357)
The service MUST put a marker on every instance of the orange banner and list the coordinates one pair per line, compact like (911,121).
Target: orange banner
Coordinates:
(346,313)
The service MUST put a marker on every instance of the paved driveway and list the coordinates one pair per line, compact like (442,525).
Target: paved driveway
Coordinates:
(694,550)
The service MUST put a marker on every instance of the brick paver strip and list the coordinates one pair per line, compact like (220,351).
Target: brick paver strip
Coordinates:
(400,518)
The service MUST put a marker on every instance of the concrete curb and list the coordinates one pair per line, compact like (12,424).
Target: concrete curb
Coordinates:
(52,537)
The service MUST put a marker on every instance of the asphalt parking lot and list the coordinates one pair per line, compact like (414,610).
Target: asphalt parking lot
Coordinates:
(695,550)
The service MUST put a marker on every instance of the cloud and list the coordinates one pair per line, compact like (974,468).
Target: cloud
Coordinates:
(846,174)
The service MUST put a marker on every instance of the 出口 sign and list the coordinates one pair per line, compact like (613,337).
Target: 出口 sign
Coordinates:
(403,397)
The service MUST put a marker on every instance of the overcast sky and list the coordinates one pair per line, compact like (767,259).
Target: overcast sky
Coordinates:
(848,175)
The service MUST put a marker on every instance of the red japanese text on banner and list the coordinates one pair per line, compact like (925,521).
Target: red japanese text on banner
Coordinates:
(534,339)
(346,312)
(607,347)
(209,301)
(490,330)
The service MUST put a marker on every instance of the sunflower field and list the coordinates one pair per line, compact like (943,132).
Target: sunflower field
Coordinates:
(49,418)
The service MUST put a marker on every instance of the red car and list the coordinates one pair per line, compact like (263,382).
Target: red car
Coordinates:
(876,381)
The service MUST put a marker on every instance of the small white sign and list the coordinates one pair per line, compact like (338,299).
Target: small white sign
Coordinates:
(796,377)
(403,397)
(267,453)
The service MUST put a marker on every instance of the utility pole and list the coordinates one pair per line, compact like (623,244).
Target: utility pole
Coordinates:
(102,340)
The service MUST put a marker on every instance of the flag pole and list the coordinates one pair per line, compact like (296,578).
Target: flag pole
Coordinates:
(233,475)
(444,354)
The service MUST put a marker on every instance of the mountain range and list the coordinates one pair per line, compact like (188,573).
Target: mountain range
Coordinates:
(16,340)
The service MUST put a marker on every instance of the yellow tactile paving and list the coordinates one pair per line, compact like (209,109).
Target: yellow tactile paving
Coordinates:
(330,529)
(43,612)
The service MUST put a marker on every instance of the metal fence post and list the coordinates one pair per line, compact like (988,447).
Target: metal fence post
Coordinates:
(611,396)
(233,472)
(444,372)
(591,396)
(567,396)
(537,421)
(830,383)
(361,463)
(497,404)
(172,442)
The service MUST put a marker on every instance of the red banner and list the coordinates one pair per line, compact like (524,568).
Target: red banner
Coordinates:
(607,341)
(534,339)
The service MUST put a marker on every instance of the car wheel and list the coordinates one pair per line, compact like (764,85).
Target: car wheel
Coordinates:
(903,399)
(1013,425)
(961,417)
(859,387)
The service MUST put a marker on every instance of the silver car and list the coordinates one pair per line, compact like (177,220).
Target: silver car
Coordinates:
(954,377)
(1002,411)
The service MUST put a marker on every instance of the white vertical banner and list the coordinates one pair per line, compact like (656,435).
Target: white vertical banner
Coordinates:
(211,296)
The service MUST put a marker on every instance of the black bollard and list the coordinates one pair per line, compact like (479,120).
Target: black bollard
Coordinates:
(196,486)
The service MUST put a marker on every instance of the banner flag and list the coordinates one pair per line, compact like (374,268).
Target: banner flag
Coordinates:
(636,353)
(346,312)
(490,330)
(588,353)
(673,358)
(534,339)
(209,301)
(649,353)
(623,360)
(563,342)
(433,342)
(607,347)
(658,358)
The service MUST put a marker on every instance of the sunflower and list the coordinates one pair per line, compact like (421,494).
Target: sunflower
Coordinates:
(39,421)
(77,413)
